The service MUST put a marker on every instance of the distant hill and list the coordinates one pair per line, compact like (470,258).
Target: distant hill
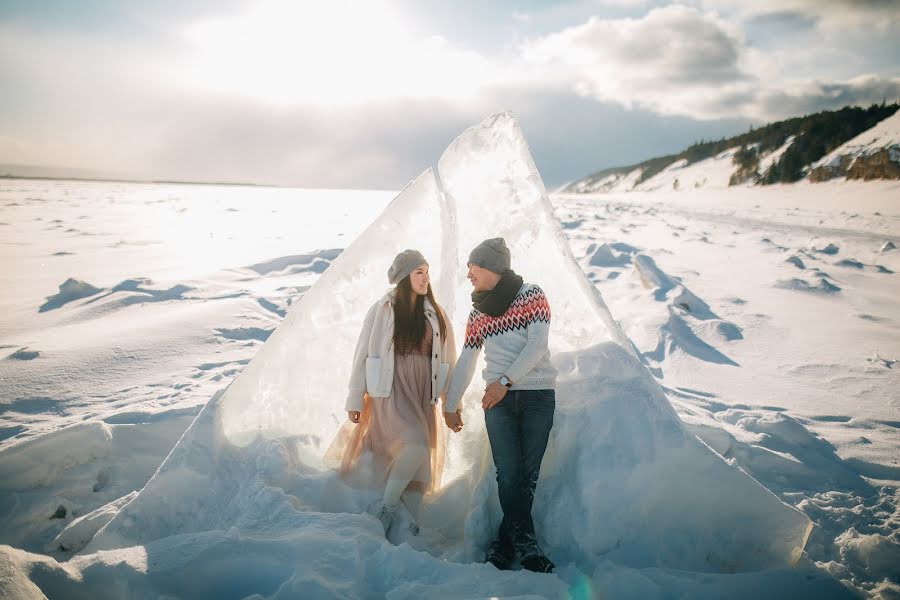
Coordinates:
(9,171)
(853,142)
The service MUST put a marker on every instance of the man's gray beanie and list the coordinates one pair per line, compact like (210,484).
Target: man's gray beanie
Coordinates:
(404,264)
(492,255)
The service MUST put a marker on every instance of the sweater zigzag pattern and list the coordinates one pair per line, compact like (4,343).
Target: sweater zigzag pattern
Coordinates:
(528,307)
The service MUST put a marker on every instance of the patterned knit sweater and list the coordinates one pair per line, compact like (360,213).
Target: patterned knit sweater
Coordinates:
(515,345)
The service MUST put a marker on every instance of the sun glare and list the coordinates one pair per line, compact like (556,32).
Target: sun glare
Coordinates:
(335,52)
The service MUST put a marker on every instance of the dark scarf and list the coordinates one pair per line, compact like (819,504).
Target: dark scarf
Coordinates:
(495,302)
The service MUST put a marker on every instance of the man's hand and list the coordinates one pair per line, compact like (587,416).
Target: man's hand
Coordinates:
(453,421)
(353,415)
(492,395)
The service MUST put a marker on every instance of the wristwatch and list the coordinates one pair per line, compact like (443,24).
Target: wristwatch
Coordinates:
(504,381)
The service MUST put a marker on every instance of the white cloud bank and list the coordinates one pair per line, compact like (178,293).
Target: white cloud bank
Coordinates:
(347,95)
(680,60)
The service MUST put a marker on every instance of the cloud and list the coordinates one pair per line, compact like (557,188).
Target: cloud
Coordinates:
(239,140)
(602,93)
(813,96)
(666,61)
(781,24)
(832,13)
(385,146)
(140,127)
(69,101)
(680,60)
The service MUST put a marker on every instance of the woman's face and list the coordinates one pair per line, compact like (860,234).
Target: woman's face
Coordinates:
(418,279)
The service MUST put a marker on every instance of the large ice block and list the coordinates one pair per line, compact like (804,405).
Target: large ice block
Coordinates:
(622,479)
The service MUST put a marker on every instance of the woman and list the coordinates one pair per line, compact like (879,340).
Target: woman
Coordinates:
(400,368)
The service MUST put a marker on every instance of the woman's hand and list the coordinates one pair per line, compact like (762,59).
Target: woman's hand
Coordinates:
(453,421)
(353,415)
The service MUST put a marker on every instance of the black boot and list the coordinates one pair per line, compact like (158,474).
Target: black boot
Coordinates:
(538,563)
(501,554)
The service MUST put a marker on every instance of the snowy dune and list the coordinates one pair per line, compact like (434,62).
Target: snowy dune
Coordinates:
(729,299)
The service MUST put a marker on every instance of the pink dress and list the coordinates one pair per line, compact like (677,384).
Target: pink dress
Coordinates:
(407,416)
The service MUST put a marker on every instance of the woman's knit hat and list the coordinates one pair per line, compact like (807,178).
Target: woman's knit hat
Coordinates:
(404,264)
(492,255)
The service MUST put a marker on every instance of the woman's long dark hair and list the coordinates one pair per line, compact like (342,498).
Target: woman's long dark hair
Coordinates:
(409,320)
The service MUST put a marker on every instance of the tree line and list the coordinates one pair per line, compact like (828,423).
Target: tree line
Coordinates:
(815,136)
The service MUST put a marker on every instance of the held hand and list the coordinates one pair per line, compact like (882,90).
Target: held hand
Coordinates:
(453,421)
(492,395)
(353,415)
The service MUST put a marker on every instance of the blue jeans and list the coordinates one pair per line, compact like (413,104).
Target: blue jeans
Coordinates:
(518,428)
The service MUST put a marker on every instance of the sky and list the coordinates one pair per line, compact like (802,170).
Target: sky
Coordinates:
(346,94)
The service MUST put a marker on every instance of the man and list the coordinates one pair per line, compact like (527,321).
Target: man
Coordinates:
(511,319)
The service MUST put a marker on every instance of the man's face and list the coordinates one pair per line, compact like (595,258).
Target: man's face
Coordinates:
(481,278)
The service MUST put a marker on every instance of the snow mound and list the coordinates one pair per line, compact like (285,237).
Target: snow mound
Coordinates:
(850,263)
(81,530)
(796,261)
(245,333)
(607,256)
(877,553)
(24,354)
(623,480)
(829,249)
(143,293)
(816,285)
(49,485)
(316,262)
(69,291)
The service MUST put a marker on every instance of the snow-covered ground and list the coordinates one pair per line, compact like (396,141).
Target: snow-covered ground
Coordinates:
(769,316)
(773,321)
